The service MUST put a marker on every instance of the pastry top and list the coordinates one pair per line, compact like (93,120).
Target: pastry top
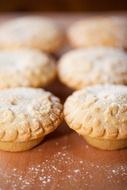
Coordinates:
(31,32)
(97,31)
(85,67)
(25,67)
(27,114)
(99,111)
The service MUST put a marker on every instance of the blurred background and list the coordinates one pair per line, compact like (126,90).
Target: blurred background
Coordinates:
(62,5)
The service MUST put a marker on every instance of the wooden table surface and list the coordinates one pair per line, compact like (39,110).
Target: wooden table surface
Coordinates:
(63,161)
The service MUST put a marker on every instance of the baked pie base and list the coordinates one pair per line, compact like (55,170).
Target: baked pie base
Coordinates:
(27,115)
(106,144)
(19,146)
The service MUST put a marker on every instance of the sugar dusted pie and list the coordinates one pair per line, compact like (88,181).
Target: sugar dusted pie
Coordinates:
(31,32)
(25,67)
(85,67)
(99,114)
(99,31)
(27,115)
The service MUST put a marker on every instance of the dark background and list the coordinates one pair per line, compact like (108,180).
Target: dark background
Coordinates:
(62,5)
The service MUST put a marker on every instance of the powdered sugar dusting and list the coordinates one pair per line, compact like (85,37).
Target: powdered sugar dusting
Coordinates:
(63,168)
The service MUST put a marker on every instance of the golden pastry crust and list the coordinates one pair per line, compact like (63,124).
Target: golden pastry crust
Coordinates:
(31,32)
(26,116)
(99,113)
(85,67)
(99,31)
(25,67)
(107,144)
(19,146)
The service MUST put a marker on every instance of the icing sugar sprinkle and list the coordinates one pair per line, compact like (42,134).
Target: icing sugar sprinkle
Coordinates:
(44,174)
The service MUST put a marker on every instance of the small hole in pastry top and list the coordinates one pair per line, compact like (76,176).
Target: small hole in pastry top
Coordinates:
(13,102)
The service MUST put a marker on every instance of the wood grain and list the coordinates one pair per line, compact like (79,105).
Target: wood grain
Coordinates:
(63,161)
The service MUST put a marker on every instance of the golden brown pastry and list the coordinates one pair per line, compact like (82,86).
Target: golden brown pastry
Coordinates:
(31,32)
(27,115)
(86,67)
(25,67)
(99,31)
(99,114)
